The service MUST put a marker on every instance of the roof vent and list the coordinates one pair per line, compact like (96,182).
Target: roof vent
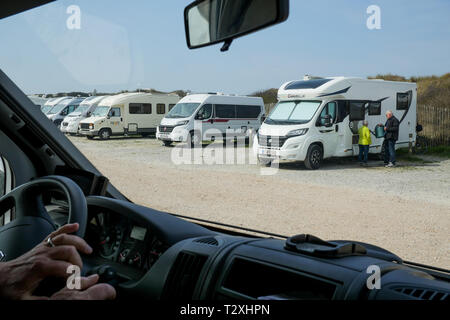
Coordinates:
(309,77)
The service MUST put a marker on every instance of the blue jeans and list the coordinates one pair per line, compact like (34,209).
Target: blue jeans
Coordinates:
(363,153)
(389,151)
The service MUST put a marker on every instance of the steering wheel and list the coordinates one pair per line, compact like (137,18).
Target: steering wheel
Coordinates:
(32,223)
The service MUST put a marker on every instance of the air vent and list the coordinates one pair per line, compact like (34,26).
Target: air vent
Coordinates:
(209,241)
(424,294)
(184,275)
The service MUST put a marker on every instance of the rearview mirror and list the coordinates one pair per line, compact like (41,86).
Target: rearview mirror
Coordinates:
(208,22)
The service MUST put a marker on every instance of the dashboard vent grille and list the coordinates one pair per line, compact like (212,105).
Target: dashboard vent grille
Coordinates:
(184,276)
(424,294)
(208,241)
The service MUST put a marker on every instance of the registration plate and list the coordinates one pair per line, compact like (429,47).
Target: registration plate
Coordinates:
(269,153)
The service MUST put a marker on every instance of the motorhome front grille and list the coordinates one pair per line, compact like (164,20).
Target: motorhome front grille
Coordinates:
(165,129)
(84,126)
(271,141)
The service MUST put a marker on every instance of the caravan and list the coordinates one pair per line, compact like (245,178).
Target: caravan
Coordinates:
(318,118)
(71,122)
(127,113)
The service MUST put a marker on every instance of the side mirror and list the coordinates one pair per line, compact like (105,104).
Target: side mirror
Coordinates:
(327,120)
(199,116)
(88,114)
(108,116)
(208,22)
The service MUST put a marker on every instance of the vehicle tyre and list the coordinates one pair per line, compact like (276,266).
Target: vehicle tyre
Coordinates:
(104,134)
(314,157)
(90,137)
(194,139)
(265,162)
(167,143)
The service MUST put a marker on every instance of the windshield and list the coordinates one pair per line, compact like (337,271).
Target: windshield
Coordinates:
(310,180)
(183,110)
(46,109)
(57,108)
(100,111)
(293,112)
(80,110)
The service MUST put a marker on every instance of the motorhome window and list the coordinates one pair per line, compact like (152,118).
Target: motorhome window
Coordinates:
(357,111)
(205,111)
(225,111)
(308,84)
(248,112)
(100,111)
(343,110)
(374,108)
(72,109)
(182,110)
(404,100)
(171,106)
(115,112)
(160,108)
(293,112)
(329,109)
(140,108)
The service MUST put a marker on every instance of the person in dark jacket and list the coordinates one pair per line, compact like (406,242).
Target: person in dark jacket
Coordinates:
(391,136)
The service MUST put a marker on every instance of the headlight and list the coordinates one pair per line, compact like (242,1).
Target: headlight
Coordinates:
(182,123)
(298,132)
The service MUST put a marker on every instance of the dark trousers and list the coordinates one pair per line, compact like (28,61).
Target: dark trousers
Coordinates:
(389,151)
(363,153)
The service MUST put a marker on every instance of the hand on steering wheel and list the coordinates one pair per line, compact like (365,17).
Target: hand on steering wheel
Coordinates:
(51,258)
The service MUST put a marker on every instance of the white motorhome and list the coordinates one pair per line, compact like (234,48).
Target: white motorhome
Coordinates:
(48,106)
(202,117)
(127,113)
(319,118)
(72,121)
(63,109)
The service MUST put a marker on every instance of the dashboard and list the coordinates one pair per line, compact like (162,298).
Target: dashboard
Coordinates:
(150,254)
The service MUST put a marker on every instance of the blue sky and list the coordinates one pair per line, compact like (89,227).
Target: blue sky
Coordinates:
(141,43)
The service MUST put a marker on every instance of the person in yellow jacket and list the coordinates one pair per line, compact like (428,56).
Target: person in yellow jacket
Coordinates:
(364,142)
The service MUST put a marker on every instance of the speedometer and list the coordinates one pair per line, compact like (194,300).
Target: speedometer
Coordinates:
(106,235)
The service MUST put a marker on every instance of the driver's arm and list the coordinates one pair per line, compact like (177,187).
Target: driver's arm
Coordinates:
(20,277)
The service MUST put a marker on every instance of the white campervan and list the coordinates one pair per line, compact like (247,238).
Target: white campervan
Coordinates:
(199,117)
(72,121)
(50,104)
(127,113)
(319,118)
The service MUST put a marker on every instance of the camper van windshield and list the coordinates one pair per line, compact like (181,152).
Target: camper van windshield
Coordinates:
(100,111)
(293,112)
(46,109)
(57,108)
(182,110)
(80,110)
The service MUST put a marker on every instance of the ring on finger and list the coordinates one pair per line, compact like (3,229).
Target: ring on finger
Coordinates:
(50,243)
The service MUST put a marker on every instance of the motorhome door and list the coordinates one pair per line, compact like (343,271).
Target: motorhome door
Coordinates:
(327,128)
(116,120)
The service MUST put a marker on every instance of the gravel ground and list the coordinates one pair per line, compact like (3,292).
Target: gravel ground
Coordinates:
(405,210)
